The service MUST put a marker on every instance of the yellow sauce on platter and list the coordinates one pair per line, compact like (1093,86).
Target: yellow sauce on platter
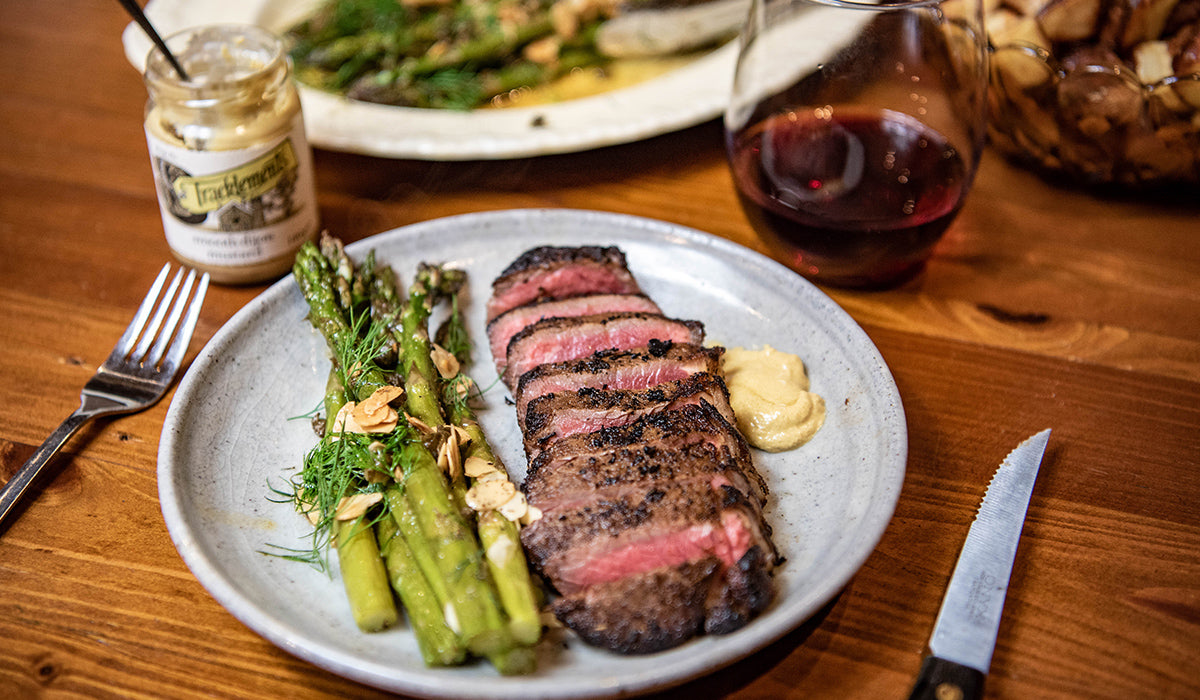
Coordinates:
(769,392)
(594,80)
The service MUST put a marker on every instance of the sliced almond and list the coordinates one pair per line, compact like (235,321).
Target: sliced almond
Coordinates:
(532,514)
(444,360)
(489,495)
(464,438)
(476,467)
(351,507)
(421,426)
(381,397)
(450,457)
(309,510)
(494,475)
(515,507)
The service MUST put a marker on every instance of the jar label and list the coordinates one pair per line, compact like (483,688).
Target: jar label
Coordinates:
(236,207)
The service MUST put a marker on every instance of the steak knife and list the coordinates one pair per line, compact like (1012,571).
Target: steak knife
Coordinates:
(964,636)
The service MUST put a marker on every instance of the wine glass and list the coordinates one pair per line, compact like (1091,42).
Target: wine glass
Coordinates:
(854,131)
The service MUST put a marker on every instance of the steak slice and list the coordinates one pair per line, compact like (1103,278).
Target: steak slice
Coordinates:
(644,567)
(607,476)
(502,328)
(561,339)
(665,607)
(587,410)
(617,370)
(688,425)
(549,272)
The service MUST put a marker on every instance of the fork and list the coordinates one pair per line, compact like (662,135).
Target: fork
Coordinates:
(136,374)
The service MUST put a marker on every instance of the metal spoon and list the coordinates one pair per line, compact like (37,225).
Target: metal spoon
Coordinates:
(140,17)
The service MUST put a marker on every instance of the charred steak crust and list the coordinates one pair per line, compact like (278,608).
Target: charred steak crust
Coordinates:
(502,328)
(663,608)
(616,369)
(554,272)
(587,477)
(588,409)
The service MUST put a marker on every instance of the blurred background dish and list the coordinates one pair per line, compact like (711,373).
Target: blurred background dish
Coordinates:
(1098,92)
(688,95)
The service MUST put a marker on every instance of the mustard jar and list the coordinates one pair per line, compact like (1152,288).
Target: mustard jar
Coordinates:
(231,163)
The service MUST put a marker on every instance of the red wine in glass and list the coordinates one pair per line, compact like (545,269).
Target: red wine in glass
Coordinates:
(852,198)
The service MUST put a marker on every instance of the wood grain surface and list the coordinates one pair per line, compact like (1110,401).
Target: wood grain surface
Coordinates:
(1043,307)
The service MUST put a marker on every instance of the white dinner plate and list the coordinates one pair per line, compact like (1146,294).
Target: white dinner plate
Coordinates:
(676,100)
(230,434)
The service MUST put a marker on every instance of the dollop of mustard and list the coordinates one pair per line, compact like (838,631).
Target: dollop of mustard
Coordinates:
(769,392)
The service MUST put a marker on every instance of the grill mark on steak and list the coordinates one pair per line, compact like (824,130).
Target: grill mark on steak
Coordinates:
(502,328)
(550,272)
(562,339)
(629,370)
(587,410)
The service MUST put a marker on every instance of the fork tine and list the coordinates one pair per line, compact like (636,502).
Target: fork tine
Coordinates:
(134,329)
(168,330)
(184,337)
(160,313)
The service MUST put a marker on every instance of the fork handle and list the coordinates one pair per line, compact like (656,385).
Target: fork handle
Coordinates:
(16,487)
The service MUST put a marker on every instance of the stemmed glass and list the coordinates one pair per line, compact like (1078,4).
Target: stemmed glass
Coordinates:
(854,131)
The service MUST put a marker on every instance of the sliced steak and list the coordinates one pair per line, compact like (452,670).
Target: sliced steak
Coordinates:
(688,425)
(554,273)
(585,480)
(617,370)
(587,410)
(667,606)
(562,339)
(506,325)
(700,533)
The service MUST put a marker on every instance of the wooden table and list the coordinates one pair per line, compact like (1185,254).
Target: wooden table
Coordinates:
(1044,307)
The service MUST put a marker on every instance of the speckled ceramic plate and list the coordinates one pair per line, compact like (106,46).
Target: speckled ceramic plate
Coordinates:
(684,97)
(229,435)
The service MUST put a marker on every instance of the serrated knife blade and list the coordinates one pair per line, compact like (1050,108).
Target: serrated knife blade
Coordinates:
(964,636)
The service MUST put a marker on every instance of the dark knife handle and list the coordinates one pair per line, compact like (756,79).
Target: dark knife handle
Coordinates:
(946,680)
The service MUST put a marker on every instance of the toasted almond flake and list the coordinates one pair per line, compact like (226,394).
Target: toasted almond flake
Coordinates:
(381,397)
(495,475)
(515,507)
(461,434)
(464,387)
(374,476)
(419,424)
(310,511)
(344,421)
(444,360)
(476,467)
(350,507)
(489,495)
(499,551)
(449,458)
(532,514)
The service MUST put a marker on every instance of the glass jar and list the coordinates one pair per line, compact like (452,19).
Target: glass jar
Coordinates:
(231,163)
